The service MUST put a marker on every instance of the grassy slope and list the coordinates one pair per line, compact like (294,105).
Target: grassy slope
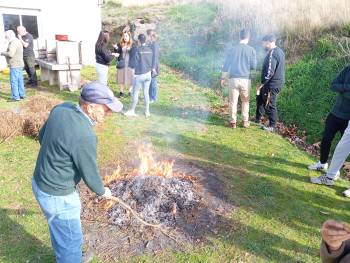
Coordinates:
(278,214)
(194,38)
(307,99)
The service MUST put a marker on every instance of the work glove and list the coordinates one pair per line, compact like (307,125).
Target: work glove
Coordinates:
(107,194)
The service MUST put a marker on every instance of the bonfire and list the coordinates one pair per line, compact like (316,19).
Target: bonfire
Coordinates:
(155,207)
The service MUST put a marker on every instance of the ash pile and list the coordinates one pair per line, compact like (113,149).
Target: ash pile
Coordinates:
(156,199)
(157,206)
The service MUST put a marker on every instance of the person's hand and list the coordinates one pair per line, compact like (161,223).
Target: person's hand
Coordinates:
(107,194)
(223,83)
(258,88)
(334,234)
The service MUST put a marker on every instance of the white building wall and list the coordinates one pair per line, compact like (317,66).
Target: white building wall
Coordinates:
(79,19)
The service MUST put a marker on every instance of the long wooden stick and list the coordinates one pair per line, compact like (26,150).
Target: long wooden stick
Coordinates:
(134,213)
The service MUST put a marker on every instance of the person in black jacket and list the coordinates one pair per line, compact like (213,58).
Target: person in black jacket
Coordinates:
(28,55)
(272,81)
(336,121)
(104,57)
(143,75)
(153,43)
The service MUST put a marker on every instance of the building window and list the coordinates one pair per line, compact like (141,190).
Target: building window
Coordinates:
(31,24)
(11,22)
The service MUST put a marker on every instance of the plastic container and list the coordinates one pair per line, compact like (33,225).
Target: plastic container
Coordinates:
(61,37)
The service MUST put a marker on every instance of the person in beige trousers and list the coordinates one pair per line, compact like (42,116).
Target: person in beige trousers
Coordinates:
(240,61)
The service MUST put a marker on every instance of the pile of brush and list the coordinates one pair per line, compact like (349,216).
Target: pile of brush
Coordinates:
(28,119)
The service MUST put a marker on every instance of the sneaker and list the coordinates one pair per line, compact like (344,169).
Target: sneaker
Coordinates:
(233,125)
(347,193)
(152,101)
(323,179)
(319,167)
(246,124)
(130,113)
(121,94)
(87,256)
(147,114)
(268,128)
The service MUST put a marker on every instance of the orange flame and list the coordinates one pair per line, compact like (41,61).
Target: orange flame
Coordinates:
(148,166)
(113,177)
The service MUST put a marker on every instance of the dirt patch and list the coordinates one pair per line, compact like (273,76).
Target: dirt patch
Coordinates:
(188,207)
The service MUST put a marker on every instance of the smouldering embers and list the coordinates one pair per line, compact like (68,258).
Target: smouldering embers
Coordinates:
(153,191)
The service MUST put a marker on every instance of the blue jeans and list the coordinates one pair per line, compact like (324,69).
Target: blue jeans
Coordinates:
(63,216)
(153,89)
(141,82)
(17,83)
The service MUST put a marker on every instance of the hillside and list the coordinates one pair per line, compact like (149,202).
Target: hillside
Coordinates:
(194,39)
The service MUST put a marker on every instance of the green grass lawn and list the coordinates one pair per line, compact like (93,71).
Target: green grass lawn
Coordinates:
(278,213)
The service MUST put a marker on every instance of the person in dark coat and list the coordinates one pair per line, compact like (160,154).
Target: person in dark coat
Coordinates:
(335,246)
(28,54)
(104,57)
(336,121)
(272,81)
(153,90)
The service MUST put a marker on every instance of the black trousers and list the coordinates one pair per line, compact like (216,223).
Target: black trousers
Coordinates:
(29,67)
(333,125)
(270,108)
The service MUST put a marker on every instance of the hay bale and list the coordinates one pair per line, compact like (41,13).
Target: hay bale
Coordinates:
(40,103)
(35,112)
(10,124)
(33,122)
(29,120)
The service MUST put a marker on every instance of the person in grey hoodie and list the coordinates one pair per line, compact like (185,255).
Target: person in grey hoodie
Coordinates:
(239,62)
(14,56)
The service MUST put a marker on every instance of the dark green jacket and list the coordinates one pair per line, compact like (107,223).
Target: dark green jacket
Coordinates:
(341,85)
(67,153)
